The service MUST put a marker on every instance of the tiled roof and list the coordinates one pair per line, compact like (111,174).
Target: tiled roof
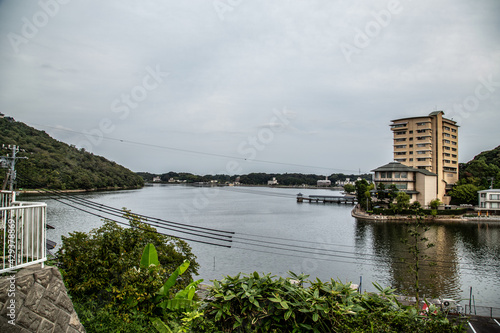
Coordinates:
(396,166)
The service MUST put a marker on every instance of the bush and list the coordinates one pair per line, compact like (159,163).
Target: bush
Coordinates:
(93,264)
(263,303)
(410,212)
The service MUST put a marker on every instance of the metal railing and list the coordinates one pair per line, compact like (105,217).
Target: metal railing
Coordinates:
(22,234)
(482,311)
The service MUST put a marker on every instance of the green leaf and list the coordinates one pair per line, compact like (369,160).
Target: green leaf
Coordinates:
(149,256)
(284,304)
(315,316)
(171,280)
(160,325)
(288,314)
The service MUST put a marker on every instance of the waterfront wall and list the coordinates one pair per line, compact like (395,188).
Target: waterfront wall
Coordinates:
(35,300)
(363,216)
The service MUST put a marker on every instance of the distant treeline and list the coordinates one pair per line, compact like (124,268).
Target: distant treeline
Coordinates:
(56,165)
(287,179)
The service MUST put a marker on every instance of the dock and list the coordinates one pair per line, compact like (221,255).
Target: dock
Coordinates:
(327,199)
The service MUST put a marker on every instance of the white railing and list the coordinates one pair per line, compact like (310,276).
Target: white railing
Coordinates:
(23,235)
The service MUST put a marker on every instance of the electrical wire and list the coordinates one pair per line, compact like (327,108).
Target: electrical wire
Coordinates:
(236,239)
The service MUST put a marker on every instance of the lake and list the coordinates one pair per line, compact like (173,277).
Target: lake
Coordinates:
(275,234)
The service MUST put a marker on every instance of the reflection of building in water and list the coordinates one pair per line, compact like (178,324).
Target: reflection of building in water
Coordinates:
(439,280)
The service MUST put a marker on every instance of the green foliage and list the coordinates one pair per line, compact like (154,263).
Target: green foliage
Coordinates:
(349,188)
(434,204)
(415,206)
(402,201)
(480,173)
(100,264)
(363,194)
(465,194)
(56,165)
(264,303)
(411,211)
(96,318)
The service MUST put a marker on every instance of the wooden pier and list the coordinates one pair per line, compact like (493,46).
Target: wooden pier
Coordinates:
(327,199)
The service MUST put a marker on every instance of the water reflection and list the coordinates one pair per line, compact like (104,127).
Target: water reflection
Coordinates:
(460,252)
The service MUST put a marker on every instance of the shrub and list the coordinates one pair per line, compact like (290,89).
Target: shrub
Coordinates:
(264,303)
(93,264)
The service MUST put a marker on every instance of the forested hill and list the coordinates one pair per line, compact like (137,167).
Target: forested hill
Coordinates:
(56,165)
(482,168)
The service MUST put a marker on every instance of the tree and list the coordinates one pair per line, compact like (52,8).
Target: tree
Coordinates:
(381,193)
(417,243)
(402,201)
(464,194)
(434,204)
(363,194)
(393,193)
(349,188)
(92,261)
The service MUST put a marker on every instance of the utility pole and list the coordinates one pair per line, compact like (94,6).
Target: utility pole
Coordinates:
(10,163)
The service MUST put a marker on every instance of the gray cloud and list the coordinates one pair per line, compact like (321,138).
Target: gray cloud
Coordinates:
(227,76)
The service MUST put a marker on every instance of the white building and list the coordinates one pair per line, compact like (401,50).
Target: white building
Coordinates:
(489,200)
(272,182)
(324,182)
(346,182)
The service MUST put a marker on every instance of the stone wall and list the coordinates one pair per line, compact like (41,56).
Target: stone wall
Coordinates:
(35,300)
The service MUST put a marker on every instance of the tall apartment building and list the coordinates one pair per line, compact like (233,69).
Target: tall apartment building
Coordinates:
(430,143)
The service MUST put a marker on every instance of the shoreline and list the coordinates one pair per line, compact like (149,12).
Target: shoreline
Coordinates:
(362,216)
(252,185)
(44,191)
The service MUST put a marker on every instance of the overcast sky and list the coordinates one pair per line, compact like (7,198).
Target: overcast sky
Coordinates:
(249,86)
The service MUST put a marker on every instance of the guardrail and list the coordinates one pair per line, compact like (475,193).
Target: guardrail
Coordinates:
(482,311)
(23,235)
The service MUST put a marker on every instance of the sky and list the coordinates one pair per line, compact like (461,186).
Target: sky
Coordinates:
(240,86)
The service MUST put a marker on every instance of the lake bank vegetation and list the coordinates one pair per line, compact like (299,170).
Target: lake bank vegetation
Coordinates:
(257,178)
(56,165)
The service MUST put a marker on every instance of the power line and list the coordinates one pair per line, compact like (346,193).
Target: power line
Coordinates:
(236,239)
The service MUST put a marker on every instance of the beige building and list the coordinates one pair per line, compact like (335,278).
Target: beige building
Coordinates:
(419,184)
(429,143)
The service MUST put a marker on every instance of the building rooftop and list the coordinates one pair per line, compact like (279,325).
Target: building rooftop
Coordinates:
(432,114)
(396,166)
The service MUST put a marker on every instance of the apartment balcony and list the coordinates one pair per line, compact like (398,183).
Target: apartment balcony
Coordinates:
(399,126)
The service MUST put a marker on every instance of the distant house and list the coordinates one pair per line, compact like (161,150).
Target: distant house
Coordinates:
(156,179)
(346,182)
(324,182)
(489,200)
(419,184)
(272,181)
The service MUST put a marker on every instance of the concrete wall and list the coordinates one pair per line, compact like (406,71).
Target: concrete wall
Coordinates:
(35,300)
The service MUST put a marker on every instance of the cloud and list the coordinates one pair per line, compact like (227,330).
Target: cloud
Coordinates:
(226,76)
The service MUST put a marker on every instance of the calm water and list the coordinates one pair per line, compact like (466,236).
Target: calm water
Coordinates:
(274,233)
